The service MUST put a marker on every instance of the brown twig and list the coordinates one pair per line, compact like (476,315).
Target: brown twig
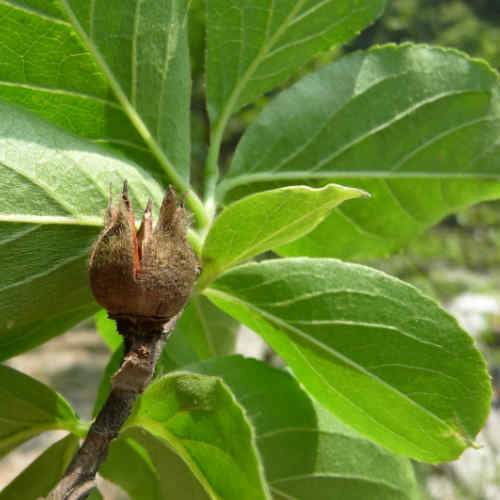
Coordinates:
(143,343)
(143,278)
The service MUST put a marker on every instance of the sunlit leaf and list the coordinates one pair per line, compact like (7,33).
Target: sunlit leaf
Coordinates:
(381,356)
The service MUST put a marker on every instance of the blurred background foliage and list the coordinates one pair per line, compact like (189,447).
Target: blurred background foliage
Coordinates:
(469,25)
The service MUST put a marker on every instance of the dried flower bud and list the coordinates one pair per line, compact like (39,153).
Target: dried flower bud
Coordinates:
(146,274)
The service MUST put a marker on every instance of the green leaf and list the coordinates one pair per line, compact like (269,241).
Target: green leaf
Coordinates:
(308,453)
(114,72)
(253,46)
(398,212)
(105,385)
(200,420)
(415,126)
(265,220)
(147,469)
(55,190)
(381,356)
(95,495)
(202,332)
(129,466)
(29,408)
(106,328)
(38,479)
(196,31)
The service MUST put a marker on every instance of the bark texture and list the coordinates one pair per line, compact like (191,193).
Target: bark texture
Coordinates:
(143,342)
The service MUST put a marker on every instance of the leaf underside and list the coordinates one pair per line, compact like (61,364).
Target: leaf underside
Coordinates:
(415,126)
(254,46)
(200,420)
(373,350)
(29,408)
(113,72)
(265,220)
(306,452)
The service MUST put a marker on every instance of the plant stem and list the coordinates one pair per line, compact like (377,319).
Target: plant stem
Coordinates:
(143,343)
(212,168)
(195,241)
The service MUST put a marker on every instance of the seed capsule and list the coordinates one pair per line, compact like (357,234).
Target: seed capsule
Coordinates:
(146,274)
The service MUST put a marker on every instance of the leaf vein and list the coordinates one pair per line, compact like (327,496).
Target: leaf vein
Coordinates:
(58,91)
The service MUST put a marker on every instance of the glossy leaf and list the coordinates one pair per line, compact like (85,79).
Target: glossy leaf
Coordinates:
(381,356)
(254,45)
(55,190)
(415,126)
(200,420)
(307,453)
(265,220)
(38,479)
(29,408)
(114,72)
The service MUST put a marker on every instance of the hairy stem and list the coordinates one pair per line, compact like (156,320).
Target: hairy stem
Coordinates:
(143,344)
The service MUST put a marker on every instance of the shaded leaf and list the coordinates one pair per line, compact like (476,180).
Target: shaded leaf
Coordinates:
(129,466)
(199,419)
(147,469)
(415,126)
(254,45)
(265,220)
(29,408)
(308,453)
(381,356)
(105,385)
(400,210)
(95,495)
(55,190)
(38,479)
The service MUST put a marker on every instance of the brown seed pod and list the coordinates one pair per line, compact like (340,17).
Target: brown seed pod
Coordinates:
(144,275)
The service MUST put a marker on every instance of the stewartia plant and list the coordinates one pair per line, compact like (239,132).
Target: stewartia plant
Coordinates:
(350,162)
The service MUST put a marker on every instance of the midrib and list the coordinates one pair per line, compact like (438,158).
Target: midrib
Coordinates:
(266,47)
